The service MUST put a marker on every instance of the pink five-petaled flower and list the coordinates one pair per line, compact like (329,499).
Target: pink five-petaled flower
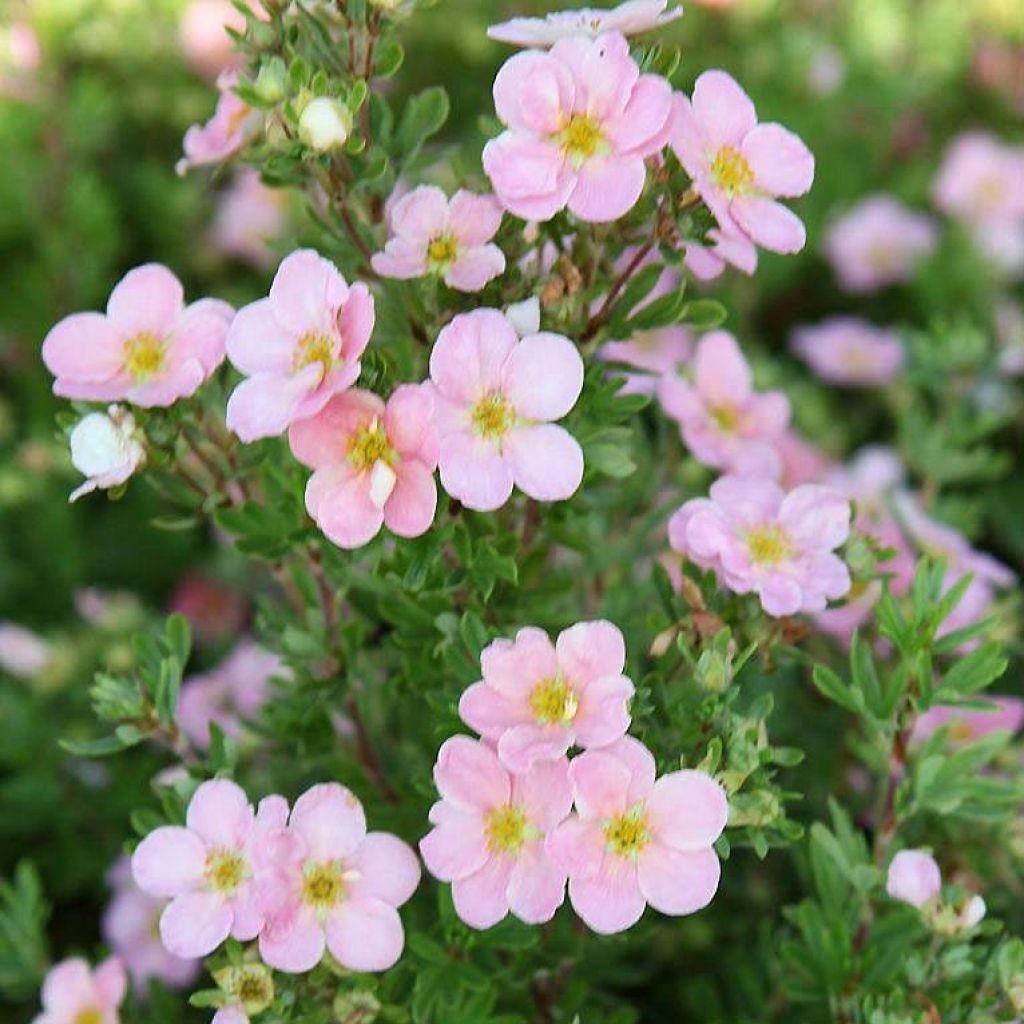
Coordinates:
(723,421)
(635,840)
(965,726)
(981,180)
(759,539)
(913,878)
(149,348)
(739,166)
(373,464)
(298,347)
(208,868)
(74,994)
(335,885)
(630,18)
(537,699)
(489,831)
(581,119)
(233,124)
(431,234)
(845,350)
(496,396)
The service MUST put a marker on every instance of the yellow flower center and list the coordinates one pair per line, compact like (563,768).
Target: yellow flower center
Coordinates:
(314,347)
(249,984)
(627,834)
(506,829)
(90,1016)
(725,417)
(369,446)
(442,250)
(253,988)
(493,416)
(580,138)
(731,170)
(553,700)
(960,731)
(225,870)
(143,355)
(324,885)
(768,545)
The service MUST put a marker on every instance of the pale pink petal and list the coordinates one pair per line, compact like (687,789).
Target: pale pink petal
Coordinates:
(607,187)
(514,668)
(331,821)
(639,761)
(247,910)
(600,784)
(544,793)
(749,503)
(531,92)
(675,882)
(220,814)
(169,861)
(468,774)
(770,224)
(609,901)
(365,935)
(456,847)
(201,333)
(603,714)
(781,596)
(577,846)
(490,713)
(265,404)
(388,869)
(230,1015)
(257,343)
(356,322)
(409,421)
(475,219)
(467,359)
(148,298)
(340,502)
(474,471)
(536,886)
(111,981)
(305,291)
(815,515)
(166,388)
(687,810)
(722,374)
(401,260)
(480,899)
(543,376)
(546,461)
(521,746)
(409,510)
(530,176)
(782,164)
(67,987)
(641,127)
(723,109)
(84,347)
(591,650)
(323,439)
(474,267)
(603,71)
(421,215)
(294,944)
(195,924)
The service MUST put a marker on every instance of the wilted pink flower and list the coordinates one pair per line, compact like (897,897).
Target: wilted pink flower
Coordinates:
(229,695)
(981,179)
(635,840)
(537,699)
(966,725)
(374,464)
(74,994)
(707,262)
(233,124)
(298,347)
(22,652)
(496,396)
(759,539)
(489,831)
(249,215)
(204,38)
(335,885)
(581,120)
(107,448)
(723,421)
(213,609)
(630,18)
(845,350)
(879,242)
(130,927)
(207,869)
(431,234)
(913,878)
(738,166)
(149,349)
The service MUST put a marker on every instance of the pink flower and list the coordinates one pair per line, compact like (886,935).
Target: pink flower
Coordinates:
(707,262)
(229,695)
(762,540)
(581,119)
(879,242)
(373,464)
(129,926)
(22,652)
(496,396)
(981,179)
(336,885)
(249,215)
(739,166)
(234,123)
(299,347)
(845,350)
(489,831)
(537,699)
(965,725)
(801,462)
(635,840)
(431,234)
(723,421)
(74,994)
(630,18)
(204,39)
(207,869)
(213,609)
(149,349)
(233,1014)
(913,878)
(107,448)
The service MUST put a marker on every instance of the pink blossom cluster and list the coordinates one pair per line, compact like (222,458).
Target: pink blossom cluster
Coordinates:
(518,821)
(302,882)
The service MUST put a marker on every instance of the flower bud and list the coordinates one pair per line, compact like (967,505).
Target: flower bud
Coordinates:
(106,448)
(359,1007)
(325,124)
(249,985)
(271,83)
(913,878)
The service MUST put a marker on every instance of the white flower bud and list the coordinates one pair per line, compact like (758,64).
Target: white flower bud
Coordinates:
(105,447)
(324,124)
(525,316)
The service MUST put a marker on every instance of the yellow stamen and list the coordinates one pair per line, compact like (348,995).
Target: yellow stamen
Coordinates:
(225,870)
(324,885)
(553,700)
(90,1016)
(143,355)
(370,445)
(581,138)
(506,829)
(731,171)
(768,545)
(493,416)
(627,834)
(314,347)
(725,417)
(442,250)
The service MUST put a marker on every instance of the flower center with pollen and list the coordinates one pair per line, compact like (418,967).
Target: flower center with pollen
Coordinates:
(725,417)
(627,834)
(731,170)
(493,416)
(369,446)
(505,829)
(143,355)
(442,250)
(768,545)
(225,870)
(314,347)
(90,1016)
(323,885)
(580,138)
(553,700)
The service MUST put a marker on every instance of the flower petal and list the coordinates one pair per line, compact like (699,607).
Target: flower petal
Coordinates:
(294,943)
(456,847)
(609,901)
(388,869)
(675,882)
(148,298)
(331,821)
(546,461)
(84,347)
(782,164)
(220,814)
(536,886)
(480,899)
(687,810)
(467,773)
(169,861)
(607,187)
(543,376)
(195,924)
(365,935)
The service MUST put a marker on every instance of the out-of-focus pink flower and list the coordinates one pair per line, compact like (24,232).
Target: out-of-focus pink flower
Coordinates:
(580,121)
(149,349)
(707,262)
(431,234)
(965,725)
(740,167)
(230,1015)
(213,609)
(208,868)
(107,448)
(496,398)
(23,653)
(630,18)
(75,994)
(374,464)
(879,242)
(229,695)
(204,38)
(846,350)
(20,58)
(335,886)
(723,421)
(130,927)
(827,71)
(537,699)
(489,831)
(801,462)
(249,215)
(234,123)
(981,179)
(298,347)
(759,539)
(635,840)
(913,878)
(1001,243)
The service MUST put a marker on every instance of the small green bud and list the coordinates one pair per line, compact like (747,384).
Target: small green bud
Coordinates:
(251,985)
(359,1007)
(324,124)
(271,83)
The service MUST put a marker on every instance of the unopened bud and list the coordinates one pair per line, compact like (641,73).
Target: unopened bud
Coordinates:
(271,83)
(325,124)
(359,1007)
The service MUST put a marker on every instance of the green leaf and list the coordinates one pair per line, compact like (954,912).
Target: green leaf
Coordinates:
(424,116)
(703,314)
(831,686)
